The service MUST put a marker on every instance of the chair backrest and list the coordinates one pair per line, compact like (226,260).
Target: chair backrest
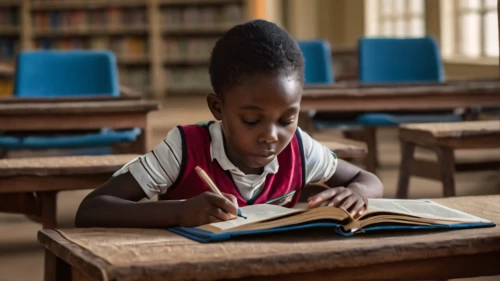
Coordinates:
(399,60)
(318,61)
(70,73)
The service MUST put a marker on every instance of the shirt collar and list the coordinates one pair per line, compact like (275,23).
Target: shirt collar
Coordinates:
(218,152)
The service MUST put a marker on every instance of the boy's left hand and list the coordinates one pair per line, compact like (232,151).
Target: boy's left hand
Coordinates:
(341,197)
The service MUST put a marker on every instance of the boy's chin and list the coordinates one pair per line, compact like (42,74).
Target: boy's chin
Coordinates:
(258,162)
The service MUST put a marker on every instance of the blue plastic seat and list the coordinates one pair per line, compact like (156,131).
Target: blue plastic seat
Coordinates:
(400,60)
(48,74)
(318,61)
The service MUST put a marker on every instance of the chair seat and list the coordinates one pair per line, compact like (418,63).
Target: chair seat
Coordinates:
(104,138)
(9,142)
(383,119)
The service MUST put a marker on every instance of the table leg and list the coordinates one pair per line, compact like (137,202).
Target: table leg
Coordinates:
(55,268)
(80,276)
(446,159)
(48,209)
(407,151)
(371,160)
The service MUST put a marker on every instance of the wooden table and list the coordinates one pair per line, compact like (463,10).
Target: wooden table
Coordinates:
(135,254)
(443,139)
(346,97)
(60,114)
(356,97)
(30,185)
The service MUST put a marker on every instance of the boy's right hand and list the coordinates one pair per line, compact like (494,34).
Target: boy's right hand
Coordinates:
(207,208)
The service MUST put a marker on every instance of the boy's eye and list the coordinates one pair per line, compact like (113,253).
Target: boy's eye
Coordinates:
(249,122)
(286,122)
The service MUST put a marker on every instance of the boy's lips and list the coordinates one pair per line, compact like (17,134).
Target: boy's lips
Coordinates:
(265,153)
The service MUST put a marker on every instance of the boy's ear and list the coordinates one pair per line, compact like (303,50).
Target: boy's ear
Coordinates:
(214,104)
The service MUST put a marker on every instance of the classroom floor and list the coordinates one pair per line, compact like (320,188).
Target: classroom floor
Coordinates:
(21,257)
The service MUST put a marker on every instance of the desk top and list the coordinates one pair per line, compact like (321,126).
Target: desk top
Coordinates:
(63,165)
(40,107)
(132,254)
(371,89)
(456,129)
(14,100)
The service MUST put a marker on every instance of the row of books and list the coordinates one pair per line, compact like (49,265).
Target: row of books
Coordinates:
(80,19)
(180,49)
(8,48)
(129,47)
(136,78)
(195,78)
(68,1)
(228,14)
(9,16)
(6,87)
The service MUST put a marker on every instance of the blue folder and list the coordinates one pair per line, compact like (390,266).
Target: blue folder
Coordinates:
(206,236)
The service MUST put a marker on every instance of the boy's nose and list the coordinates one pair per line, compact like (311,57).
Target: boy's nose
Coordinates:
(270,135)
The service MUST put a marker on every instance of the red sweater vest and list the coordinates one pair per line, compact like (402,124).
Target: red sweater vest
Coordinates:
(282,188)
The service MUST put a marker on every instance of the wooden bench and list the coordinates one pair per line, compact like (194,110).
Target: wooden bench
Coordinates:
(346,149)
(443,139)
(30,185)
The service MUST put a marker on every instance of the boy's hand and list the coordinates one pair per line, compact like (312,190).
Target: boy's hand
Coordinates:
(341,197)
(208,208)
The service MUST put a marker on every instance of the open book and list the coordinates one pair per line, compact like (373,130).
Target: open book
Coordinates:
(382,214)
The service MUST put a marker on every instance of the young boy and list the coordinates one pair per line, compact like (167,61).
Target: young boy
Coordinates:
(254,152)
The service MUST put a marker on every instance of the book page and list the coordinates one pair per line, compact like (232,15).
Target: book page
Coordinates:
(420,208)
(253,214)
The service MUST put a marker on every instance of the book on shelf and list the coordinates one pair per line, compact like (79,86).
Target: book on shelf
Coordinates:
(9,48)
(188,49)
(382,215)
(128,47)
(135,78)
(202,16)
(9,17)
(186,78)
(95,19)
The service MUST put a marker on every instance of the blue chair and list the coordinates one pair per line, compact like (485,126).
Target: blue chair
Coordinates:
(396,60)
(318,58)
(49,74)
(391,60)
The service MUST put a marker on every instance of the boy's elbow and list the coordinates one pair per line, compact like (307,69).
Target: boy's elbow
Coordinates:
(376,186)
(82,214)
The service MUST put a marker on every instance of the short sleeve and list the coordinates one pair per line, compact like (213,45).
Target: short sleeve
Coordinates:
(157,170)
(320,162)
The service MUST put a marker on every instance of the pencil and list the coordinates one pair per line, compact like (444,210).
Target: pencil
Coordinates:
(212,185)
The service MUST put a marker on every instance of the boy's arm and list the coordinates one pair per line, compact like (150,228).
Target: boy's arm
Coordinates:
(349,186)
(115,204)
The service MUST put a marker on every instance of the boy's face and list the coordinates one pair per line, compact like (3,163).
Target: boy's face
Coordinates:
(259,118)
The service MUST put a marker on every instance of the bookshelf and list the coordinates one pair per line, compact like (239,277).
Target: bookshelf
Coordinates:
(162,46)
(10,42)
(189,31)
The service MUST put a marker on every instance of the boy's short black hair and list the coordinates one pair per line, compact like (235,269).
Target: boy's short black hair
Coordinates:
(255,47)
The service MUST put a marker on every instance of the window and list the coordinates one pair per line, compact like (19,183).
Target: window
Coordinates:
(395,18)
(470,28)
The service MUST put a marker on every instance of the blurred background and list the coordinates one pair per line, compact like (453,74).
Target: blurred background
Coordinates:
(163,46)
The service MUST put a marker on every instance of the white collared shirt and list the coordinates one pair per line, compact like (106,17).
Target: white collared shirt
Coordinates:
(157,170)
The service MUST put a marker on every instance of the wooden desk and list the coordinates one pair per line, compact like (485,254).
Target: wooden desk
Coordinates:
(444,139)
(349,97)
(134,254)
(41,115)
(412,97)
(30,185)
